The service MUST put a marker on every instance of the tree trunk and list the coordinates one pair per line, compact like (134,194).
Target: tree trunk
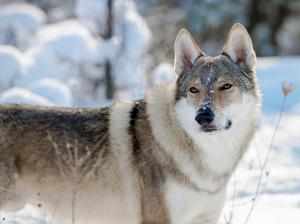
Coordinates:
(109,83)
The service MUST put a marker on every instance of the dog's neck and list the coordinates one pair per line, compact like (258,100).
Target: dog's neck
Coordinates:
(208,160)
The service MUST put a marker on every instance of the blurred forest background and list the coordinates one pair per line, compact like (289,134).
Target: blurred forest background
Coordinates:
(273,25)
(108,43)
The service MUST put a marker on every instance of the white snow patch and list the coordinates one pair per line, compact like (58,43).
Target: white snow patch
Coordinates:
(163,73)
(18,22)
(53,90)
(23,96)
(11,67)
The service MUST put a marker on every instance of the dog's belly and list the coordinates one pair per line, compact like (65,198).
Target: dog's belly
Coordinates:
(91,203)
(92,208)
(187,206)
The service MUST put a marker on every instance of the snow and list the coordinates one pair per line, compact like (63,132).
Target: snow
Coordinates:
(163,73)
(58,52)
(136,38)
(11,66)
(280,201)
(135,35)
(67,40)
(65,51)
(109,49)
(126,48)
(93,14)
(71,53)
(21,95)
(17,22)
(53,90)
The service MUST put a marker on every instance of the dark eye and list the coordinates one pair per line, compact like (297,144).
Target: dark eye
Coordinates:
(193,90)
(225,86)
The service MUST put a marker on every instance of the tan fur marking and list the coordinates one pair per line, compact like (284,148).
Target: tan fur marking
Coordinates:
(150,172)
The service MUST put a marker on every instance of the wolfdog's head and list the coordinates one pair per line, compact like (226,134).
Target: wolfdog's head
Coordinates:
(214,94)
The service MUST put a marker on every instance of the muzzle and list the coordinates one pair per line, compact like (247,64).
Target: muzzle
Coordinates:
(205,116)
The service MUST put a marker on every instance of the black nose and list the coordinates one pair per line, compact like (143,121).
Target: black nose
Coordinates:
(205,116)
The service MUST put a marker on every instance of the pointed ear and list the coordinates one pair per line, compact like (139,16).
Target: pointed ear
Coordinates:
(186,51)
(239,47)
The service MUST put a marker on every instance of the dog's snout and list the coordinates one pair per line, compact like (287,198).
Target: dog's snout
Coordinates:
(205,116)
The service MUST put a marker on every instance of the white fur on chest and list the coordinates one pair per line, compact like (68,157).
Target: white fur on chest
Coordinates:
(189,206)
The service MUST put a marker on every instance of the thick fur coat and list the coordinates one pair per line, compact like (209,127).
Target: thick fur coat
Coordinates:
(162,160)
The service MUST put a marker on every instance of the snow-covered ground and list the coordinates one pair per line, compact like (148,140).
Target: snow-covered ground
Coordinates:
(279,202)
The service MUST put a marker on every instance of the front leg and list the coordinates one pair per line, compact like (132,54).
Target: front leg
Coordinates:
(8,177)
(211,216)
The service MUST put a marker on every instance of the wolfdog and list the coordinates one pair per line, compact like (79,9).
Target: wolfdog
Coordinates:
(162,160)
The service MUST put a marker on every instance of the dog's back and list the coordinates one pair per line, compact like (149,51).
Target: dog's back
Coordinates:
(32,132)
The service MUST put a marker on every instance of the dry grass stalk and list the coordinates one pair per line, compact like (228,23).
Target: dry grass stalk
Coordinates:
(76,164)
(286,88)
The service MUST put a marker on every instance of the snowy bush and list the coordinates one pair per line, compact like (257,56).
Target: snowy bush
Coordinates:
(132,29)
(93,14)
(73,53)
(65,51)
(126,48)
(11,67)
(135,36)
(162,74)
(67,40)
(18,23)
(53,90)
(24,96)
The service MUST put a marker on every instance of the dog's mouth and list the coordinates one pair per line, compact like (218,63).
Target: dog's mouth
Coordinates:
(212,128)
(208,128)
